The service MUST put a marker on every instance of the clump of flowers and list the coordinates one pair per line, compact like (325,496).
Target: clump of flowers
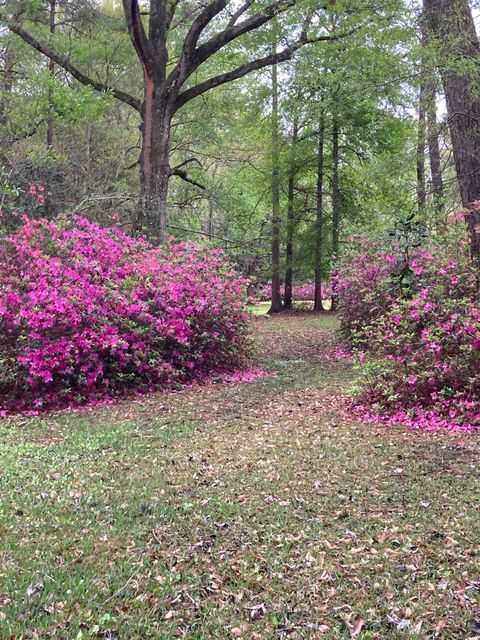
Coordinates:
(87,313)
(361,286)
(418,345)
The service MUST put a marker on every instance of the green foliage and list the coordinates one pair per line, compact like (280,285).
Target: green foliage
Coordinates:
(407,236)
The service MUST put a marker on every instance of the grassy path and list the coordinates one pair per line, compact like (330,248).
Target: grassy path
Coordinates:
(239,510)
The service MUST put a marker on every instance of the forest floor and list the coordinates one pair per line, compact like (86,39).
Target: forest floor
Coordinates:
(239,510)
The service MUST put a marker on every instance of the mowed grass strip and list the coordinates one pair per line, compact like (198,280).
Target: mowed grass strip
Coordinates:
(239,510)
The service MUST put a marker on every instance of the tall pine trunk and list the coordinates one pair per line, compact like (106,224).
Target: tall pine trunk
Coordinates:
(452,29)
(51,71)
(434,146)
(5,97)
(287,303)
(276,302)
(421,145)
(336,202)
(317,303)
(429,81)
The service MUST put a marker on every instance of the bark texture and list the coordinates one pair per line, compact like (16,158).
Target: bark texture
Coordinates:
(287,302)
(276,302)
(336,201)
(452,31)
(318,303)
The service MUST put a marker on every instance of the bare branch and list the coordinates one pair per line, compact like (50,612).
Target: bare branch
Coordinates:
(65,63)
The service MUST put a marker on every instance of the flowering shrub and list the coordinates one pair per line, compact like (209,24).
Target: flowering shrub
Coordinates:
(427,350)
(301,292)
(418,350)
(361,286)
(87,312)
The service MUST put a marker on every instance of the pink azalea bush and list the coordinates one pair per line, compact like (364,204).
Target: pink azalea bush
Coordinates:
(418,352)
(361,286)
(87,313)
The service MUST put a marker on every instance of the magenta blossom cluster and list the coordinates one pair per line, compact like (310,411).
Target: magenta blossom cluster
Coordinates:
(361,286)
(300,292)
(418,351)
(87,313)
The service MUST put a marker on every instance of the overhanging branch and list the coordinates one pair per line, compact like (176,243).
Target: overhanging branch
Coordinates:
(255,65)
(65,63)
(181,173)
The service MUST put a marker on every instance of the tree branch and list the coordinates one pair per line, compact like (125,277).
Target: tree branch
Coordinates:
(185,162)
(170,14)
(65,63)
(137,34)
(185,64)
(239,13)
(181,173)
(255,65)
(234,31)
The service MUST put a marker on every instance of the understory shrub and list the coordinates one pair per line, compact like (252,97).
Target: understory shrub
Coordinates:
(418,347)
(87,312)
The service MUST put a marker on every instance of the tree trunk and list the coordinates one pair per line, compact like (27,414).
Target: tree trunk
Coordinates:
(336,203)
(155,168)
(167,86)
(5,98)
(318,304)
(421,144)
(429,78)
(434,146)
(276,303)
(51,71)
(287,303)
(451,26)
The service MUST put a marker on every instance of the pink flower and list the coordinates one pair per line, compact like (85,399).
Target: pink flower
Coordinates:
(412,379)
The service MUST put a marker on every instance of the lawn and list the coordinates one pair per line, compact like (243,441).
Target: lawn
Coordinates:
(247,510)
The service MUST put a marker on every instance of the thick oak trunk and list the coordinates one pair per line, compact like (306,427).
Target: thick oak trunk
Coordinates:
(155,168)
(317,303)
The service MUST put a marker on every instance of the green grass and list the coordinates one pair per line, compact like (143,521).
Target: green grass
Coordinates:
(260,309)
(249,510)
